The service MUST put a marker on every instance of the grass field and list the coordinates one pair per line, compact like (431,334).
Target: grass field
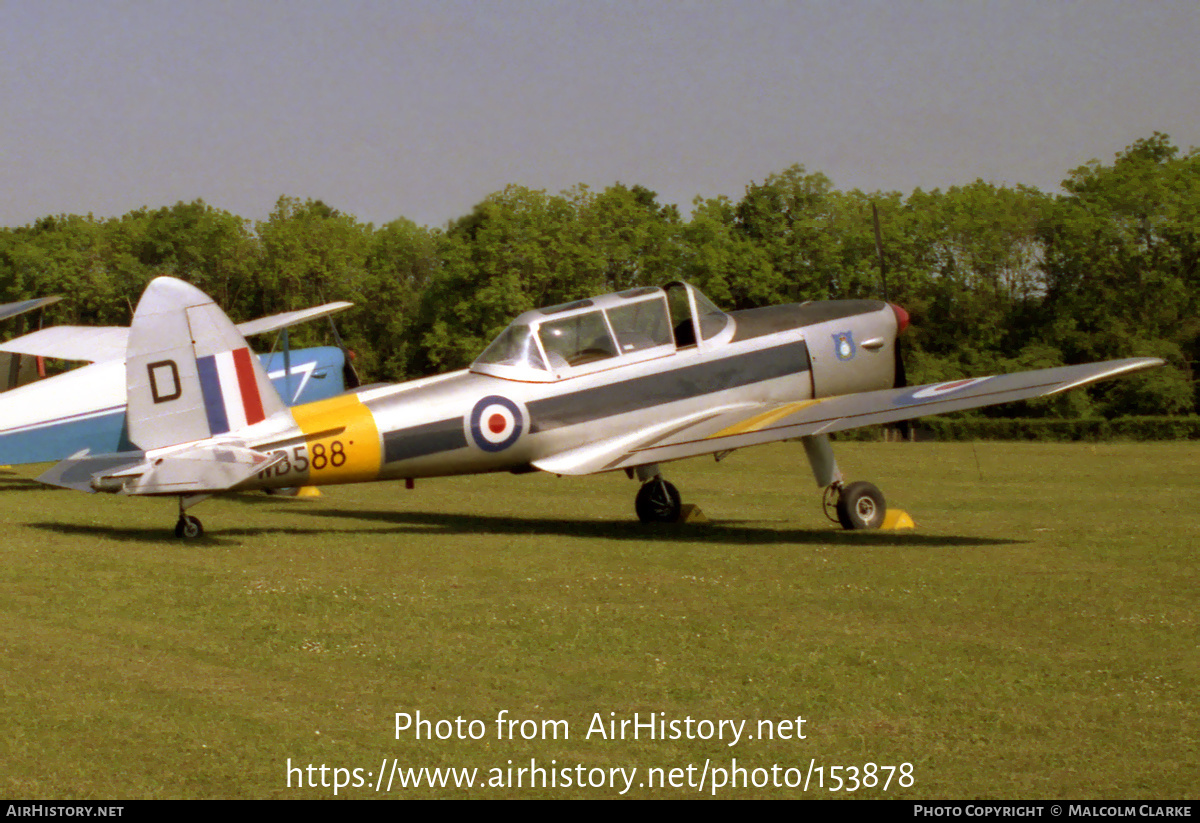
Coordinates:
(1035,637)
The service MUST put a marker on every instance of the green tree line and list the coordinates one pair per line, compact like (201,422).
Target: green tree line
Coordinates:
(995,278)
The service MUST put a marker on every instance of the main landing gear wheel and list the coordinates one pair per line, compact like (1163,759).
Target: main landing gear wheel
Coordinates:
(861,506)
(188,527)
(658,502)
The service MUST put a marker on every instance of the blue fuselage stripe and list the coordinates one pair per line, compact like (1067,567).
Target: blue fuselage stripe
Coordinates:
(99,433)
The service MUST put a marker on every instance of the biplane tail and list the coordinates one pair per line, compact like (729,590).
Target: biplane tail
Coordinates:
(190,374)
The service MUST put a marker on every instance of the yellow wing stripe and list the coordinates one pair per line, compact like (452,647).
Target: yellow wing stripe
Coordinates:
(761,421)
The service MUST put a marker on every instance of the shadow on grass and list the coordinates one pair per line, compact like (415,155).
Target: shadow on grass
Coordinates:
(21,484)
(260,498)
(730,532)
(166,533)
(733,532)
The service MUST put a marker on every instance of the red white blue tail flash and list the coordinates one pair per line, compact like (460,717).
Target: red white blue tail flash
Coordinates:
(231,396)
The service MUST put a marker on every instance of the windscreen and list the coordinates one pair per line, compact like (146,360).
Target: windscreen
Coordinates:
(514,347)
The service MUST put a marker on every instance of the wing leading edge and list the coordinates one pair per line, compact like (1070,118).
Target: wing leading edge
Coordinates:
(738,427)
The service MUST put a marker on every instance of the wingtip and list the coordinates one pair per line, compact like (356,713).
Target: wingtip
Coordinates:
(1115,368)
(1138,364)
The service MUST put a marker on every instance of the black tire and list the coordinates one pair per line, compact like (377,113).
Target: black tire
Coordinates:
(188,527)
(861,506)
(658,502)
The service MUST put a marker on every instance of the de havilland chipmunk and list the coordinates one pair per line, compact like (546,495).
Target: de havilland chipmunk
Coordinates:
(629,381)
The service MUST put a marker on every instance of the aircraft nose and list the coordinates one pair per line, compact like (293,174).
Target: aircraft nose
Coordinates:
(901,317)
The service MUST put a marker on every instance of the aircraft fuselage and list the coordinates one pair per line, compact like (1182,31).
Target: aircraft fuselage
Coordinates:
(628,380)
(471,422)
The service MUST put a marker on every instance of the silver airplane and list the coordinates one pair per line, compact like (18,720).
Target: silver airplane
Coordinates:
(628,381)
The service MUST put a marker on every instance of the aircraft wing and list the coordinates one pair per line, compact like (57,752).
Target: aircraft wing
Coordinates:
(290,318)
(734,428)
(97,344)
(596,457)
(92,343)
(8,310)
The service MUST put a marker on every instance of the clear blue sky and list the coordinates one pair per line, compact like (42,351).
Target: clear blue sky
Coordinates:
(420,109)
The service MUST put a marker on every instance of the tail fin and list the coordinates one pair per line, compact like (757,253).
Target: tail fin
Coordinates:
(188,371)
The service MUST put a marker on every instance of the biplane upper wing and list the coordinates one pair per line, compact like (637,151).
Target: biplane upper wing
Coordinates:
(95,344)
(736,427)
(98,344)
(290,318)
(8,310)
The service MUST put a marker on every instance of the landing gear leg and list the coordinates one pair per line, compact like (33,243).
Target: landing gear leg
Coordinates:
(858,505)
(657,501)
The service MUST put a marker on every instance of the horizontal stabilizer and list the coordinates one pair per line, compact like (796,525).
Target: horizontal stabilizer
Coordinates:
(77,472)
(204,469)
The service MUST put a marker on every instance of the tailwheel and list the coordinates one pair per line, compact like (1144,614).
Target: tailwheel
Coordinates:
(188,527)
(658,502)
(860,505)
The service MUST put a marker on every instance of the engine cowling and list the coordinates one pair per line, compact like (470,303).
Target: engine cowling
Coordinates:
(856,351)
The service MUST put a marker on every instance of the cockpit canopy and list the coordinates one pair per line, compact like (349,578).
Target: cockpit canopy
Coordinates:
(603,332)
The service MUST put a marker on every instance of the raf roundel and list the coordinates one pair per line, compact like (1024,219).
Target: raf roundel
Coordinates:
(496,423)
(922,394)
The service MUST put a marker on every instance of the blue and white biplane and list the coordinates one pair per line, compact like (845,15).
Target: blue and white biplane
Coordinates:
(49,418)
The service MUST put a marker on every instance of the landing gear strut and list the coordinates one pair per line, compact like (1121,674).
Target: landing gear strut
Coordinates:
(859,505)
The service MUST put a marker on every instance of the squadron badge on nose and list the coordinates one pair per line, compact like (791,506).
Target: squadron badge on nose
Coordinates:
(843,345)
(495,423)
